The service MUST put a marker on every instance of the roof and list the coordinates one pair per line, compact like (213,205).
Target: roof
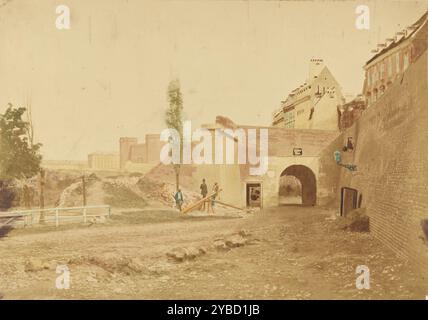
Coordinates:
(308,85)
(394,44)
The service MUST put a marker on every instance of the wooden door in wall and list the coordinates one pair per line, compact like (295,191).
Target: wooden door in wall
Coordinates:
(254,195)
(348,200)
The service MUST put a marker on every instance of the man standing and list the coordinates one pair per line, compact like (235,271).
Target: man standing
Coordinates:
(204,192)
(215,190)
(178,199)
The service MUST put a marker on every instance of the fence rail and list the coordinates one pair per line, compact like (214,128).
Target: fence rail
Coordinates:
(54,215)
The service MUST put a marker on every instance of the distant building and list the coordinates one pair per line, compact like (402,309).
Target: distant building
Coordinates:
(313,105)
(125,145)
(134,152)
(103,161)
(394,58)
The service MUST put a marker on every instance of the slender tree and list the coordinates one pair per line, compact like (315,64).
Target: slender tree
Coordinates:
(174,119)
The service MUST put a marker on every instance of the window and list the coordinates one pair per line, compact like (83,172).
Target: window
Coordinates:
(289,119)
(312,113)
(390,66)
(406,61)
(397,62)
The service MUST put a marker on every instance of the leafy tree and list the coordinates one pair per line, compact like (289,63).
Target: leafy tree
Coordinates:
(174,118)
(19,157)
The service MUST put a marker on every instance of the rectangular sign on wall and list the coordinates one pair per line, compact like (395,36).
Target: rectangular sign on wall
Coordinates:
(297,151)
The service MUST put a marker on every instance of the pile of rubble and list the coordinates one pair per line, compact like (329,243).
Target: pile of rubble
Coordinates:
(163,192)
(355,221)
(225,243)
(155,189)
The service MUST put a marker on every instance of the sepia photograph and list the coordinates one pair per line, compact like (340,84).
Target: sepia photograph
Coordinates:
(201,150)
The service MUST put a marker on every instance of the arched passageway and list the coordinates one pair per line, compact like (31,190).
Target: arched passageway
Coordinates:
(299,183)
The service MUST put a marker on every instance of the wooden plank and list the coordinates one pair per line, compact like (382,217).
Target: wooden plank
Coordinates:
(199,202)
(229,205)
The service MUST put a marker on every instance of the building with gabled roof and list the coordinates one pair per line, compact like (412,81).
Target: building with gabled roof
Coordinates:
(395,56)
(312,105)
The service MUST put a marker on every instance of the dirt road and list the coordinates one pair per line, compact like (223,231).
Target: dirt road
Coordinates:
(282,253)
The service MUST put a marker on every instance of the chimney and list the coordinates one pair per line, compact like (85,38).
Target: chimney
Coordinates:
(315,67)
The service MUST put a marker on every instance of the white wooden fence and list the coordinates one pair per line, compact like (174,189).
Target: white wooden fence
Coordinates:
(54,215)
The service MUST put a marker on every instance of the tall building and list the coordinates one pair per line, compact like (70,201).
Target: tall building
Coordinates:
(312,105)
(392,59)
(134,152)
(125,144)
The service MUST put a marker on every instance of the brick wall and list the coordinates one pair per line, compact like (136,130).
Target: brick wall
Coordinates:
(392,157)
(125,144)
(138,153)
(153,147)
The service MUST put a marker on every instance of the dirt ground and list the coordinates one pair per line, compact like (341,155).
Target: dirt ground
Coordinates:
(282,253)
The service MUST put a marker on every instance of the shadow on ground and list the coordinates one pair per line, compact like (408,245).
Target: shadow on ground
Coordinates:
(4,231)
(155,216)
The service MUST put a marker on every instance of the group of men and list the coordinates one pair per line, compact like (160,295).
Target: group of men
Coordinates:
(207,204)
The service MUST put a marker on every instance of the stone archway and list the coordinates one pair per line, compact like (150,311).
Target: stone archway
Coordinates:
(307,180)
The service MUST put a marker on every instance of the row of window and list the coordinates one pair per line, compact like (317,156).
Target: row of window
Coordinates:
(289,118)
(388,67)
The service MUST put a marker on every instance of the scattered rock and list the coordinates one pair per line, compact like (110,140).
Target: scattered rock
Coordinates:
(203,250)
(34,264)
(189,253)
(136,265)
(235,241)
(220,244)
(244,233)
(178,254)
(192,253)
(114,263)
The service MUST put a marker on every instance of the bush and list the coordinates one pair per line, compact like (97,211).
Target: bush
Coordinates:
(356,221)
(7,195)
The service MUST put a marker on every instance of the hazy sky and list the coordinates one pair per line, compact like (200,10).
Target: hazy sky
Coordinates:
(107,76)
